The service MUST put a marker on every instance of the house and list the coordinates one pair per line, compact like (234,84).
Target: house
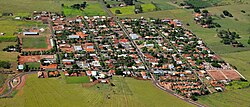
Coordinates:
(73,36)
(78,48)
(20,67)
(134,36)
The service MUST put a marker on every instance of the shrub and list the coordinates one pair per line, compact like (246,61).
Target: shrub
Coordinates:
(118,12)
(243,11)
(197,10)
(227,13)
(5,64)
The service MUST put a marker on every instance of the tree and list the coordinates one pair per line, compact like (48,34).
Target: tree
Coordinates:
(119,72)
(248,41)
(205,11)
(108,6)
(5,64)
(138,9)
(75,66)
(227,13)
(118,12)
(128,2)
(197,10)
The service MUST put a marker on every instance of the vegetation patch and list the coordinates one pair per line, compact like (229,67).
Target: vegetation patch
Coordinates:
(8,38)
(237,85)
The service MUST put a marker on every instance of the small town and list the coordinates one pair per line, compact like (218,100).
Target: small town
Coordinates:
(124,53)
(99,47)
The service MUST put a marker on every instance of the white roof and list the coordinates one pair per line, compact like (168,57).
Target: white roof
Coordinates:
(74,36)
(77,48)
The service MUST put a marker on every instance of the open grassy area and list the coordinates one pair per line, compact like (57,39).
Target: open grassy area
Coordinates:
(53,91)
(7,56)
(10,26)
(128,10)
(77,80)
(34,42)
(33,64)
(93,9)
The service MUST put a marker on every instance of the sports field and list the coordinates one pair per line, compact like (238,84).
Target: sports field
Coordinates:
(34,42)
(54,91)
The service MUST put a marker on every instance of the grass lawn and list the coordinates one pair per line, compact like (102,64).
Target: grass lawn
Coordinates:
(34,42)
(54,91)
(33,64)
(128,10)
(93,9)
(77,80)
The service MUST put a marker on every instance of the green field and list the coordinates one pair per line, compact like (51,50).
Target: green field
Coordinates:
(54,91)
(77,80)
(34,42)
(33,64)
(93,9)
(130,9)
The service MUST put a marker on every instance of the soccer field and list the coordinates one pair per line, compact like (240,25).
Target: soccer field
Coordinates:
(54,91)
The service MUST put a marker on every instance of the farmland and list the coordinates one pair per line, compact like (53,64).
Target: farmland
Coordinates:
(93,9)
(130,9)
(34,42)
(45,92)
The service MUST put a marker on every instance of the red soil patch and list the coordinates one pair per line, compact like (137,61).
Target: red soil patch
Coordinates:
(231,74)
(224,74)
(20,85)
(34,58)
(216,75)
